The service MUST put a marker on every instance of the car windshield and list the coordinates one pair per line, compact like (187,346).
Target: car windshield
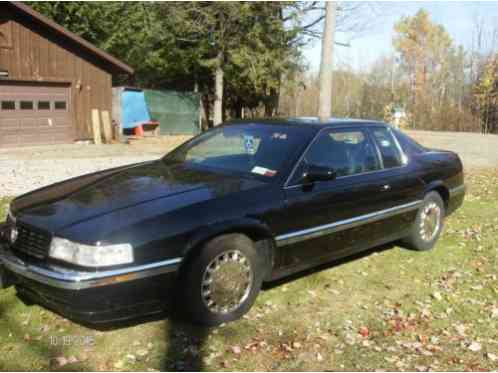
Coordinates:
(257,150)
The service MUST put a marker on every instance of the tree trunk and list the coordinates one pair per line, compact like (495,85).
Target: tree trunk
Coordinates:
(205,112)
(326,65)
(218,93)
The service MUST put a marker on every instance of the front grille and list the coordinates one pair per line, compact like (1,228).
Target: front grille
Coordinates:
(32,241)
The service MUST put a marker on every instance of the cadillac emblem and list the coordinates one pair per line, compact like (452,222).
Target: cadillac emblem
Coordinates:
(13,235)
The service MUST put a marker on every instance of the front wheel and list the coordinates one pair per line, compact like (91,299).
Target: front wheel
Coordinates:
(428,223)
(222,281)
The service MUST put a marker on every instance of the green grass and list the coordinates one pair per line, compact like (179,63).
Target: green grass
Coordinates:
(422,311)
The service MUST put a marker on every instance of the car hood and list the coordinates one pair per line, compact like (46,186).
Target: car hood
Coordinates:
(76,200)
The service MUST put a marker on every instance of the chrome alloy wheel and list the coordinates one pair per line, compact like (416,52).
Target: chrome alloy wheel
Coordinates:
(430,221)
(226,282)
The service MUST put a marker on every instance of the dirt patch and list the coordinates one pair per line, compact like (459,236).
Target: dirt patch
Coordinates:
(25,169)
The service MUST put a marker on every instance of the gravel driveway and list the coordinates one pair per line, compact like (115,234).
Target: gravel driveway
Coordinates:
(25,169)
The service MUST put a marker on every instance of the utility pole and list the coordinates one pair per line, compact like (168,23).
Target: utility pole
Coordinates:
(326,64)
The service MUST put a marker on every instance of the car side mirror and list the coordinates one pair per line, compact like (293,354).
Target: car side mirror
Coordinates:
(319,173)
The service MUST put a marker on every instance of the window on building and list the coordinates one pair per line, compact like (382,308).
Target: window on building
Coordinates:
(43,105)
(26,105)
(60,105)
(8,105)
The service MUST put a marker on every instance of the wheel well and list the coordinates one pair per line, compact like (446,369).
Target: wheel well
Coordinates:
(263,243)
(444,193)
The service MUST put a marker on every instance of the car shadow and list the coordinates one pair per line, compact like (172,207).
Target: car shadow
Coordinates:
(185,341)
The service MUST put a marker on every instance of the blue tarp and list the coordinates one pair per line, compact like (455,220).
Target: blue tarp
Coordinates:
(134,108)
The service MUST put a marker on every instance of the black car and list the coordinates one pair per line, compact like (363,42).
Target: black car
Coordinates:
(239,205)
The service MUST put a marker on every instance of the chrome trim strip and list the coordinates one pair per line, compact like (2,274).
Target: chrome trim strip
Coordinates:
(457,190)
(77,280)
(305,234)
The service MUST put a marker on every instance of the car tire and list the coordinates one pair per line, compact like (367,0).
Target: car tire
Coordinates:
(221,281)
(428,224)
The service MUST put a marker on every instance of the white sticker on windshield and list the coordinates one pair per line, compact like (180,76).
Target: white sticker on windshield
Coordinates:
(263,171)
(249,144)
(280,136)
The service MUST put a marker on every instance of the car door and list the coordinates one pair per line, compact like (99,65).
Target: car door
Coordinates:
(369,202)
(403,182)
(321,220)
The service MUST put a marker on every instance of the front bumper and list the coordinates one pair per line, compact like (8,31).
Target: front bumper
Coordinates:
(61,278)
(92,297)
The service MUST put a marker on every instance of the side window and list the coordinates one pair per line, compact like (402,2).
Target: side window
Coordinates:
(391,156)
(348,152)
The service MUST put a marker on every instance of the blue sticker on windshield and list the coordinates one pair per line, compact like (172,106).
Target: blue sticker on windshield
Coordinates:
(249,144)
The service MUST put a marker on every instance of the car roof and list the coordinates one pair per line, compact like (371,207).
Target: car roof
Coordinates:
(311,122)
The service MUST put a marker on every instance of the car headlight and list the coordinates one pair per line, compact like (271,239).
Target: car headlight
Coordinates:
(89,255)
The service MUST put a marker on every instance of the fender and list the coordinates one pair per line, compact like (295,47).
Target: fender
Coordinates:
(255,229)
(439,186)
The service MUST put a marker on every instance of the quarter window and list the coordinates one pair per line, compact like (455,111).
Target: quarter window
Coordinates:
(26,105)
(8,105)
(346,152)
(391,155)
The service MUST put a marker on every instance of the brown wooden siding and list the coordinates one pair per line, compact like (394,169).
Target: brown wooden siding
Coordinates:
(38,54)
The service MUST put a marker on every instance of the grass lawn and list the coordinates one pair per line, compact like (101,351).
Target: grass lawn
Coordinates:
(393,309)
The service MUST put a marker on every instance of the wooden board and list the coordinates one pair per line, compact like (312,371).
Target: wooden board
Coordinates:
(97,137)
(106,127)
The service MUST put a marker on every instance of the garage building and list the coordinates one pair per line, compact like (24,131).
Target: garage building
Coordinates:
(50,80)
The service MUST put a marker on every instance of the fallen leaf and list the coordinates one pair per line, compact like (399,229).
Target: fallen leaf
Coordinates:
(236,350)
(364,332)
(72,360)
(61,361)
(436,295)
(494,313)
(296,345)
(492,357)
(474,346)
(119,365)
(142,352)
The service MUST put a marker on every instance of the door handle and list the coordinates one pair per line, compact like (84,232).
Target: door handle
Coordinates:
(385,187)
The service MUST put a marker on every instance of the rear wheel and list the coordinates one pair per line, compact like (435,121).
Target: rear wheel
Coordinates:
(428,223)
(222,281)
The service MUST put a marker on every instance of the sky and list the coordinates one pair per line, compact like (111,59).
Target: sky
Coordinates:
(458,18)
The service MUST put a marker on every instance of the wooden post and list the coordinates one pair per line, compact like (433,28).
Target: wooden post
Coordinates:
(106,126)
(97,137)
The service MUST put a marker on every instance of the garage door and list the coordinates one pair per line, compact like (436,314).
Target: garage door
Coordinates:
(35,114)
